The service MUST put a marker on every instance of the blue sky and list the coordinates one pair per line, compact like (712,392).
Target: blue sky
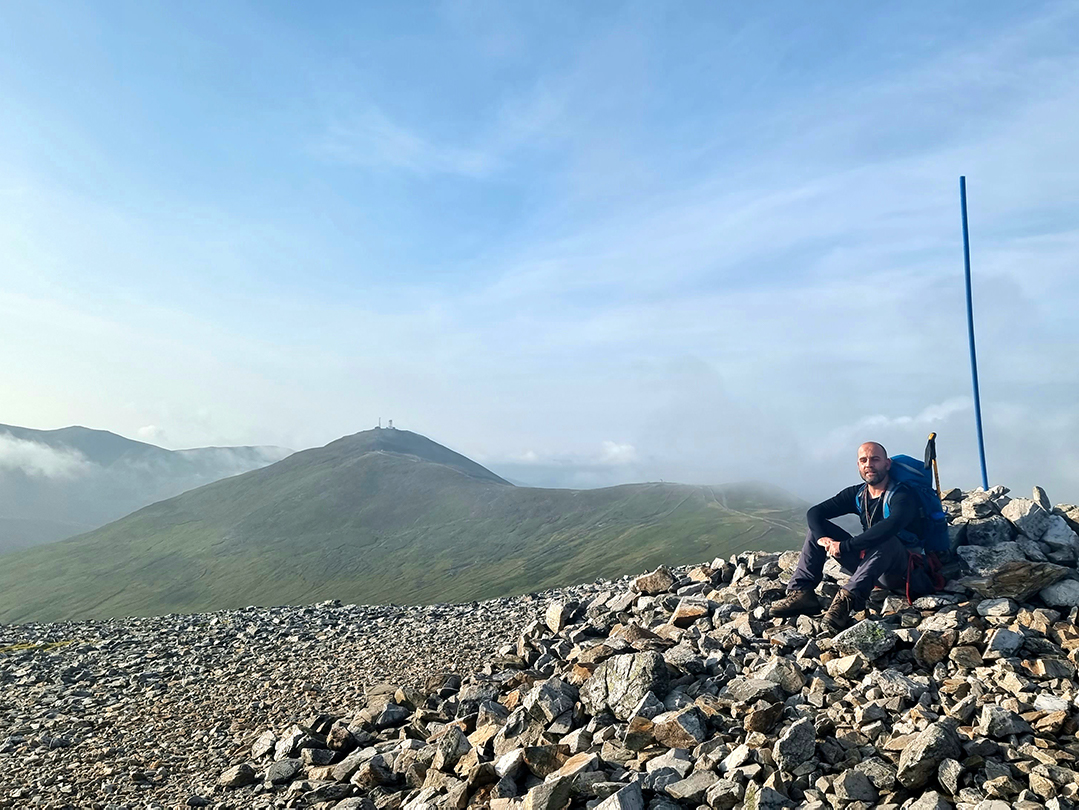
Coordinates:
(582,243)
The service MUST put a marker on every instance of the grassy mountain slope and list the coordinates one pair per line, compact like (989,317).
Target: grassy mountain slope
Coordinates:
(382,516)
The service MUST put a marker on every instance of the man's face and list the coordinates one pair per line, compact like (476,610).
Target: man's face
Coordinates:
(873,465)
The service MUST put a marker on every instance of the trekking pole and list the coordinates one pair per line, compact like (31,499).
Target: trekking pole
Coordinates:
(970,331)
(931,459)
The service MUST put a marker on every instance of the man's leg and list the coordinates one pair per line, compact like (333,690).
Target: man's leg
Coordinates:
(887,560)
(800,598)
(810,569)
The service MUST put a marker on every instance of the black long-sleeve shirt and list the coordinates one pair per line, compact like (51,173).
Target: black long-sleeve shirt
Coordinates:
(902,512)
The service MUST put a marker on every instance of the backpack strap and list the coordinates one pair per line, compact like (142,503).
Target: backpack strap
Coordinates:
(858,499)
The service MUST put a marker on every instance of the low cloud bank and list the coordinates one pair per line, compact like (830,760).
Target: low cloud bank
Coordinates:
(39,460)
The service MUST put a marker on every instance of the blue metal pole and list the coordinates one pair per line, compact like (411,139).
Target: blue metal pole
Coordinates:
(970,331)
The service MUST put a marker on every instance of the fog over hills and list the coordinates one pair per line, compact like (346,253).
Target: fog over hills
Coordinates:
(56,484)
(382,516)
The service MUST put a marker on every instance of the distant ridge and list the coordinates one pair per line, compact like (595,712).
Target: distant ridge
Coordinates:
(59,483)
(381,516)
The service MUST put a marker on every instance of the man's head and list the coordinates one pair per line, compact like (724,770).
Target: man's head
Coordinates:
(873,463)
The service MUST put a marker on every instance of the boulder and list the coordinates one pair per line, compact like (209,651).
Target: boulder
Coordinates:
(682,729)
(621,682)
(628,798)
(922,756)
(1064,593)
(796,745)
(977,505)
(1015,579)
(990,531)
(659,581)
(985,560)
(1058,534)
(854,786)
(1070,513)
(237,776)
(1027,516)
(869,638)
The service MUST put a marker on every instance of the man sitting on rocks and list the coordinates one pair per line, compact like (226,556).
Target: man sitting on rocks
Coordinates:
(877,554)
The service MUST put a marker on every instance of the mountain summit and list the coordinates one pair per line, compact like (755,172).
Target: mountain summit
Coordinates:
(407,443)
(381,516)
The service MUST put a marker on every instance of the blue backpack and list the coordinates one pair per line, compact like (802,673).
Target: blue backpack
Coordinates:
(918,478)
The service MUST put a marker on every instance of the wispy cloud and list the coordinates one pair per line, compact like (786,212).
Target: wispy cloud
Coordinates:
(39,460)
(373,140)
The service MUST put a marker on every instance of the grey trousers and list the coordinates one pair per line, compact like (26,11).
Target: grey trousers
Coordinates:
(885,563)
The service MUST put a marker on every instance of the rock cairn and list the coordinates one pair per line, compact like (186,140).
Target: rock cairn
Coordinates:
(672,689)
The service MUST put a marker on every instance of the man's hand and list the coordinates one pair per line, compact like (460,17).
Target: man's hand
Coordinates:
(829,545)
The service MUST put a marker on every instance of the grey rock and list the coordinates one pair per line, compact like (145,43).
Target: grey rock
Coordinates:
(686,728)
(854,786)
(1015,579)
(628,798)
(1001,723)
(784,672)
(237,776)
(621,682)
(263,745)
(977,505)
(724,794)
(1027,516)
(451,746)
(948,774)
(989,531)
(1058,534)
(985,560)
(1050,703)
(1003,643)
(677,759)
(1064,593)
(764,798)
(284,770)
(551,699)
(551,795)
(871,639)
(795,745)
(650,707)
(880,773)
(997,607)
(895,684)
(930,801)
(558,614)
(923,755)
(1032,549)
(658,581)
(750,690)
(693,788)
(1070,513)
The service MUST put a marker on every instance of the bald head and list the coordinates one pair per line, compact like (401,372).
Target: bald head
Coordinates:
(874,464)
(872,446)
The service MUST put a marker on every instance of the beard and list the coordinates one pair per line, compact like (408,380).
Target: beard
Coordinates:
(873,476)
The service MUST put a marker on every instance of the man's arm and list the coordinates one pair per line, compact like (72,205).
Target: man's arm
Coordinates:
(902,510)
(841,504)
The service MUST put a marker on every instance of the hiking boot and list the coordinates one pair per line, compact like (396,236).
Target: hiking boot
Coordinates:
(838,615)
(795,603)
